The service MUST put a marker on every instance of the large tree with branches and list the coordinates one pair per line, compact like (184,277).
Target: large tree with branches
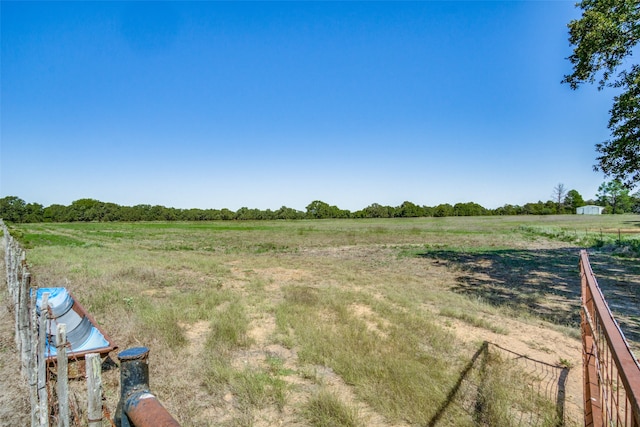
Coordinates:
(604,39)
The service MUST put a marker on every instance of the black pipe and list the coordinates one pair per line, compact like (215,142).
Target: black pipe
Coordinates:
(134,376)
(138,407)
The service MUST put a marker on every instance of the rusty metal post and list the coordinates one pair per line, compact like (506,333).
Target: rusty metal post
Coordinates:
(138,406)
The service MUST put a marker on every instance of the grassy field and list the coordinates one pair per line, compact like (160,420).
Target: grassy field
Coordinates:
(343,322)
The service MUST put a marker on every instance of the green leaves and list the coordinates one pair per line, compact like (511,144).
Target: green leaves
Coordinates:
(614,194)
(604,37)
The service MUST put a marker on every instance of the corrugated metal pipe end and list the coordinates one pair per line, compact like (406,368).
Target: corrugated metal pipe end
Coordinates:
(138,407)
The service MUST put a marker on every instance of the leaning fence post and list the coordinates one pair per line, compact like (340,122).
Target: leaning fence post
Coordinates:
(63,376)
(94,389)
(43,395)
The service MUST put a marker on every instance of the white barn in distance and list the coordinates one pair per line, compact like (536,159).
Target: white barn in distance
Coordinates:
(589,210)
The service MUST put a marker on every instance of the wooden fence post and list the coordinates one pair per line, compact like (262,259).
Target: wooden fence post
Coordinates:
(33,360)
(63,376)
(28,346)
(15,285)
(94,389)
(25,342)
(43,395)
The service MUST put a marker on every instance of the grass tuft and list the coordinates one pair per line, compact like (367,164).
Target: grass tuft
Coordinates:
(160,321)
(228,329)
(325,409)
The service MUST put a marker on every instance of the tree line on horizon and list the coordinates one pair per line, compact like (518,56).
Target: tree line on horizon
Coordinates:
(613,197)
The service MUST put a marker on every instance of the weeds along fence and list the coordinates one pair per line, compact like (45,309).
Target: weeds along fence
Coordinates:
(589,236)
(48,407)
(51,405)
(536,391)
(28,342)
(610,370)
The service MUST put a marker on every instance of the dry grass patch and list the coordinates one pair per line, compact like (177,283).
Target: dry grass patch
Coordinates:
(377,303)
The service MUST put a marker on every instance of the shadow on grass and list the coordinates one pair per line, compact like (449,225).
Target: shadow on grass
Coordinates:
(619,280)
(546,385)
(546,282)
(633,223)
(481,352)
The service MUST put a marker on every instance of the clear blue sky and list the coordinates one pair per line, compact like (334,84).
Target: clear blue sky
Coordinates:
(265,104)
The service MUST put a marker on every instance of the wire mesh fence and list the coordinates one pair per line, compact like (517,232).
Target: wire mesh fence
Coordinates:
(611,371)
(501,387)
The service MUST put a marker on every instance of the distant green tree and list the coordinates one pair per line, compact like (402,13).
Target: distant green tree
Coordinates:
(245,213)
(226,214)
(573,200)
(605,42)
(376,210)
(427,210)
(267,214)
(55,213)
(336,212)
(193,214)
(213,215)
(508,210)
(12,209)
(137,213)
(319,210)
(242,213)
(409,210)
(86,210)
(539,208)
(162,213)
(111,212)
(469,209)
(614,194)
(288,213)
(442,210)
(33,212)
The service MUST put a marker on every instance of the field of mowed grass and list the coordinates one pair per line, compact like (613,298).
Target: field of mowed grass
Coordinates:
(336,322)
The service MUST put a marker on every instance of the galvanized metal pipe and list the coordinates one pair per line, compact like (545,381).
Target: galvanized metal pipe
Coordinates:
(138,407)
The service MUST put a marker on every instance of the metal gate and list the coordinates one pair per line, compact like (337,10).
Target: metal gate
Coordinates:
(611,372)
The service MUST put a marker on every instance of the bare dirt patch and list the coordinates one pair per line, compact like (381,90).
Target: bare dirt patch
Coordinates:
(276,274)
(271,278)
(373,322)
(196,334)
